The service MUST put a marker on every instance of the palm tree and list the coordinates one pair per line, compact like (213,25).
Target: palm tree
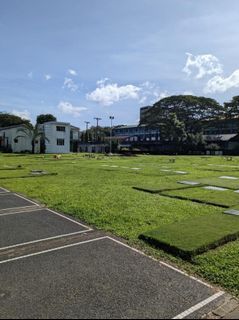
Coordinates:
(33,134)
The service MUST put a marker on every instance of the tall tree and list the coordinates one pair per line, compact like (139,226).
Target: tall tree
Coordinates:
(33,133)
(7,120)
(173,129)
(190,110)
(42,118)
(232,108)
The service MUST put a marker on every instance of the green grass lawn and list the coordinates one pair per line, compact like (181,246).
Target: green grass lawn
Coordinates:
(228,197)
(193,236)
(104,197)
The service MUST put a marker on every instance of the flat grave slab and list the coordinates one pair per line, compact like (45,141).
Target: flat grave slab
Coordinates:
(98,279)
(236,191)
(190,183)
(215,188)
(232,212)
(228,177)
(136,168)
(11,200)
(33,226)
(181,172)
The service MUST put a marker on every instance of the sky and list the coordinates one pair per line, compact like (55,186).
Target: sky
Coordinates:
(81,59)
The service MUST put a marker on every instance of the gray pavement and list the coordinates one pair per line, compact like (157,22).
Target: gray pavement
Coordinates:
(86,274)
(34,225)
(2,190)
(10,200)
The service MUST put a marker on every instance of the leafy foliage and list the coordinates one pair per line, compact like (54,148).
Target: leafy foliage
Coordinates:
(42,118)
(232,108)
(180,119)
(7,120)
(95,134)
(33,133)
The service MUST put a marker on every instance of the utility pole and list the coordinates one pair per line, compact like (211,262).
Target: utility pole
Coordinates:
(97,125)
(87,124)
(111,121)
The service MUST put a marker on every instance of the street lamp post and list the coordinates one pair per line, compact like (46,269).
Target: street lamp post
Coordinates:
(111,121)
(86,129)
(97,125)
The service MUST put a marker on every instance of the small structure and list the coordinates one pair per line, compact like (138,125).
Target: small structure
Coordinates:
(93,147)
(61,138)
(9,143)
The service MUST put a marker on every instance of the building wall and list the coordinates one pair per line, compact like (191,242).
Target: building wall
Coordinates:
(55,137)
(143,111)
(8,136)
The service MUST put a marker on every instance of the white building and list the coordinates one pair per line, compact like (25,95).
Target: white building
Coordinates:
(9,142)
(61,138)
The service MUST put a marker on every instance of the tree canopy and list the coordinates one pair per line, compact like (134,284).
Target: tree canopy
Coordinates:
(232,108)
(42,118)
(189,109)
(7,119)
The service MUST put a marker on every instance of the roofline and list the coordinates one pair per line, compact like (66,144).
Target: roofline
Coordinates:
(55,122)
(12,127)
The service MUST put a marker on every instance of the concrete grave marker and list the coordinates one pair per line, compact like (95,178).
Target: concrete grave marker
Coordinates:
(190,183)
(228,177)
(181,172)
(215,188)
(232,212)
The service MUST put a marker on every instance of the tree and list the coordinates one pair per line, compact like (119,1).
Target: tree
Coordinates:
(191,110)
(42,118)
(33,134)
(232,108)
(173,129)
(7,120)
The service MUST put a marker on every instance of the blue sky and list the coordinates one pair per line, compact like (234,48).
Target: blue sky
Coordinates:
(82,59)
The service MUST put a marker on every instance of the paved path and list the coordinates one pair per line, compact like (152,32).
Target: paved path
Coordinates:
(53,266)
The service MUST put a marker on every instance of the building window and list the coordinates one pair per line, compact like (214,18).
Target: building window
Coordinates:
(60,128)
(60,142)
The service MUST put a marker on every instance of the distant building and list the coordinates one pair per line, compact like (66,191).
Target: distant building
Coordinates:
(61,138)
(136,135)
(92,147)
(9,143)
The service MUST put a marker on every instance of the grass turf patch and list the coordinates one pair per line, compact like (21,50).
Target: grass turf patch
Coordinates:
(225,198)
(194,236)
(218,182)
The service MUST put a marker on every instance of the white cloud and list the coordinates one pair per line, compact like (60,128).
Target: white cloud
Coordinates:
(102,82)
(69,84)
(108,93)
(47,77)
(205,64)
(30,75)
(24,114)
(72,72)
(151,93)
(221,84)
(188,93)
(67,108)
